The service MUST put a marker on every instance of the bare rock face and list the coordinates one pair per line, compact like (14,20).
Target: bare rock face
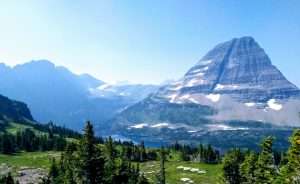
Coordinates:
(232,96)
(239,68)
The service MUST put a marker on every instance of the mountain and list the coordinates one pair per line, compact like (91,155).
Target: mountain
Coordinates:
(233,90)
(55,93)
(11,110)
(239,68)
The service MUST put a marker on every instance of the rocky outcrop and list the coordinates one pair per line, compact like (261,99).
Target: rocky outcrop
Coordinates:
(14,110)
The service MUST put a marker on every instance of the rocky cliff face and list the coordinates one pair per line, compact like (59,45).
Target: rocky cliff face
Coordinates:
(239,68)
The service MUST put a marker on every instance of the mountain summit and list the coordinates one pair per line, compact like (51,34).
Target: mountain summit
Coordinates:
(239,68)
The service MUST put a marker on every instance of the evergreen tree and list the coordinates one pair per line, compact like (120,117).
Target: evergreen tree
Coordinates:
(53,173)
(201,153)
(266,171)
(248,168)
(91,158)
(231,167)
(69,164)
(7,143)
(161,177)
(291,171)
(143,154)
(110,166)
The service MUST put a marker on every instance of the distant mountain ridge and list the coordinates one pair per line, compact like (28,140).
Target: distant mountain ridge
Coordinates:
(55,93)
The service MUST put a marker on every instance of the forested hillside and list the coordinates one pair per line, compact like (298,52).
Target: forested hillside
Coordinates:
(88,159)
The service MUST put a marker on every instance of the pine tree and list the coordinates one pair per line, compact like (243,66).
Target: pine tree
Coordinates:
(69,177)
(91,158)
(231,167)
(7,144)
(266,171)
(53,172)
(161,177)
(110,166)
(142,152)
(201,153)
(291,171)
(69,164)
(248,168)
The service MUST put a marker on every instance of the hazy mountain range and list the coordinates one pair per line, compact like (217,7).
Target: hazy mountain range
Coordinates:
(55,93)
(233,92)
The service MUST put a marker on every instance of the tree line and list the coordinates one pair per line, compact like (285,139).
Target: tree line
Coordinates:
(203,153)
(265,167)
(28,140)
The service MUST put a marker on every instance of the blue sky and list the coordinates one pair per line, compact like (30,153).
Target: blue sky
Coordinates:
(145,41)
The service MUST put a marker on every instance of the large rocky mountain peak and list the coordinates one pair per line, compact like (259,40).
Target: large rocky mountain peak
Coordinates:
(239,68)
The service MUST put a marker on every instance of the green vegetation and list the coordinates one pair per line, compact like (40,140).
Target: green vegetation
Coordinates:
(29,159)
(13,128)
(92,160)
(174,172)
(265,167)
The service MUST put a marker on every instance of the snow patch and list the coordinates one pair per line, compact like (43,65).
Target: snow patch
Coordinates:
(214,97)
(159,125)
(194,82)
(196,71)
(250,104)
(274,105)
(175,88)
(224,127)
(185,97)
(104,86)
(199,74)
(172,98)
(193,100)
(205,62)
(205,68)
(138,126)
(219,86)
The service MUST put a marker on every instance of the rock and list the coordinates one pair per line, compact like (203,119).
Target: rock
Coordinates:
(239,68)
(28,176)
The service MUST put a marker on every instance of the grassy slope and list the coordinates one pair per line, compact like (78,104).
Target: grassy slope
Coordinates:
(43,160)
(174,175)
(13,128)
(29,159)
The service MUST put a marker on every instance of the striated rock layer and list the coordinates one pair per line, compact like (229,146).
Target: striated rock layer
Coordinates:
(239,68)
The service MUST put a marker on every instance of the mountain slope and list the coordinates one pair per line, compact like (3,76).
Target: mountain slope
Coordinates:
(240,68)
(133,92)
(14,110)
(233,88)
